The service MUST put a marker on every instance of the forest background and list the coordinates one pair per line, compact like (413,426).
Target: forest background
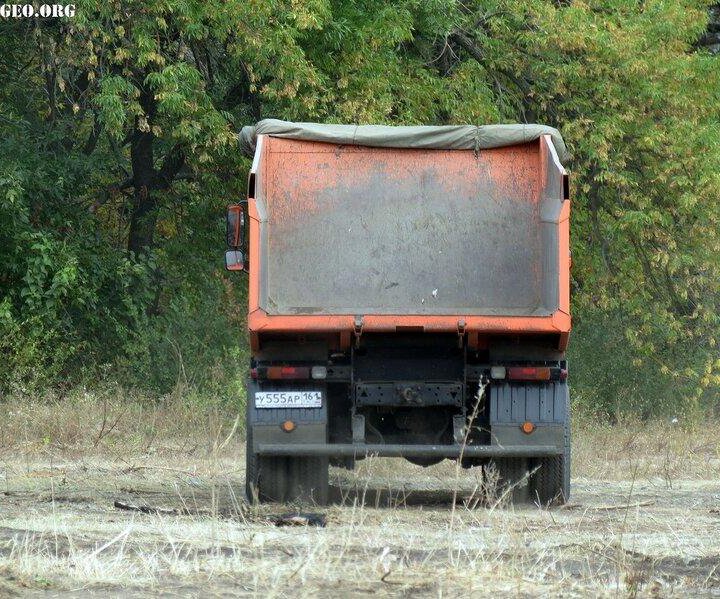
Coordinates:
(118,157)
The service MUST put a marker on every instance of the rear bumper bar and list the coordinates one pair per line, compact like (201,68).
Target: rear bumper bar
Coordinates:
(399,451)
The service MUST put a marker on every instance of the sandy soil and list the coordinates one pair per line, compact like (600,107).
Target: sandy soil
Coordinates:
(630,530)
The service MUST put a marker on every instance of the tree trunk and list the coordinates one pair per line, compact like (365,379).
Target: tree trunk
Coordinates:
(144,214)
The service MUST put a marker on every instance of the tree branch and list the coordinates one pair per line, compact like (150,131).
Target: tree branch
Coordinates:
(468,45)
(92,141)
(173,163)
(111,192)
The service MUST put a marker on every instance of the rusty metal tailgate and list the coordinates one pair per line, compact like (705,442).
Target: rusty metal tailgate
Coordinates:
(359,230)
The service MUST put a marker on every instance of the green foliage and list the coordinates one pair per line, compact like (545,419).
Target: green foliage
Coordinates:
(69,298)
(118,157)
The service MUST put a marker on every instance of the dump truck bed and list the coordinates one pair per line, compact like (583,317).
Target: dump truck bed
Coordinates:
(426,235)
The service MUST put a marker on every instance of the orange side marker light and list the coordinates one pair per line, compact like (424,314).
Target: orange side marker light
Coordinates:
(527,427)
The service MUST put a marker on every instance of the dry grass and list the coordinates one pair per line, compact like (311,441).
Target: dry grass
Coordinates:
(396,533)
(114,420)
(657,449)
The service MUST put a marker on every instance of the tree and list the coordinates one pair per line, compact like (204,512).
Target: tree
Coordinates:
(119,131)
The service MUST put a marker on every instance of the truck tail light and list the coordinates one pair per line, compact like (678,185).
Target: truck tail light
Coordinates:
(528,373)
(287,372)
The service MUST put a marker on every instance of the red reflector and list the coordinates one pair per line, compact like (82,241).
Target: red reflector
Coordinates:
(288,372)
(528,373)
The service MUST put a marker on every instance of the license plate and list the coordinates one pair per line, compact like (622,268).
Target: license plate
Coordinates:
(288,399)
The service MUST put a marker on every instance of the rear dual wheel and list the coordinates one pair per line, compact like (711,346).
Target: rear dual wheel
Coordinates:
(545,481)
(510,479)
(550,484)
(551,481)
(287,479)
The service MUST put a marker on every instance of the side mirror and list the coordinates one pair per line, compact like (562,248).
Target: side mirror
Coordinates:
(234,260)
(235,236)
(235,226)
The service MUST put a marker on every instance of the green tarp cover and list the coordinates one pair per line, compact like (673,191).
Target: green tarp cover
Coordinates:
(450,137)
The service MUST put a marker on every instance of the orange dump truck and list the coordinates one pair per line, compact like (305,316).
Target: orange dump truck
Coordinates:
(408,297)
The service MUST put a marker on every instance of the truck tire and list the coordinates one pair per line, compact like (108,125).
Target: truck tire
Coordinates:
(550,485)
(308,480)
(284,480)
(251,468)
(510,473)
(272,478)
(265,476)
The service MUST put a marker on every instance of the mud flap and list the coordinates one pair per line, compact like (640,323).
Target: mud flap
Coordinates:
(288,477)
(543,405)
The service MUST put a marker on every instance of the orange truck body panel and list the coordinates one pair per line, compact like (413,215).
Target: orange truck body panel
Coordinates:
(524,167)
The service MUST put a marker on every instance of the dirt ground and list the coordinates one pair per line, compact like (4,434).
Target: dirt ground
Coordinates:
(644,520)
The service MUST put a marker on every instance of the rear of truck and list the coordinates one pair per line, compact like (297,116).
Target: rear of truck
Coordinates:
(407,301)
